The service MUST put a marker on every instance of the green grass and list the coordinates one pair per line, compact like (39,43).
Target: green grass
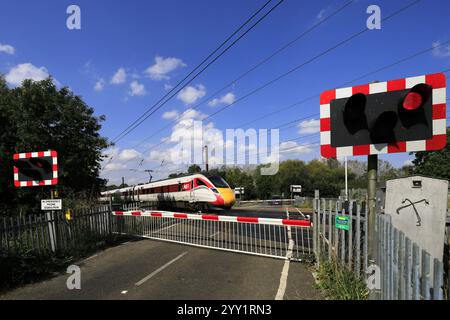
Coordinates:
(339,283)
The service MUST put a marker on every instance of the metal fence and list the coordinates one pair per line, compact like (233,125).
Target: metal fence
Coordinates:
(50,231)
(278,238)
(406,272)
(349,247)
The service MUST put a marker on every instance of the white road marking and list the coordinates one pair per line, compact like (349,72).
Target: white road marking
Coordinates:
(124,292)
(159,269)
(214,234)
(285,271)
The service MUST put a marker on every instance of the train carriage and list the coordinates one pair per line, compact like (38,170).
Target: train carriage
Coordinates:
(195,192)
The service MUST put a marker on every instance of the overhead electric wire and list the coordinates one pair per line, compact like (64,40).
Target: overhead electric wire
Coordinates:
(305,63)
(244,74)
(203,61)
(153,109)
(348,82)
(380,69)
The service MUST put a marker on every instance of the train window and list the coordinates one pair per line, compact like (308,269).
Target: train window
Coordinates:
(218,182)
(200,183)
(180,188)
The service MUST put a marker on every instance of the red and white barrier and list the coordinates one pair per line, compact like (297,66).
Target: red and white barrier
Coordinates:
(176,215)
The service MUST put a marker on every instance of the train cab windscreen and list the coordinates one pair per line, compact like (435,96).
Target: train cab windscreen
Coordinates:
(218,182)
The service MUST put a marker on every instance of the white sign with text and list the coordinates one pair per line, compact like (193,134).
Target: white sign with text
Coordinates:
(51,204)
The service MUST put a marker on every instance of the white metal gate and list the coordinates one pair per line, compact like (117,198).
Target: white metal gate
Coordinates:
(279,238)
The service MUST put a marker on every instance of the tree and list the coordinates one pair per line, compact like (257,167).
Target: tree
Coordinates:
(434,163)
(266,185)
(329,181)
(39,116)
(292,172)
(175,175)
(194,168)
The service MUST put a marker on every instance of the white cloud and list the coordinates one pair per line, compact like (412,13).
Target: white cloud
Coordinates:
(162,67)
(190,94)
(292,146)
(170,114)
(114,166)
(309,126)
(227,99)
(119,77)
(23,71)
(128,154)
(6,48)
(440,51)
(167,86)
(99,85)
(137,89)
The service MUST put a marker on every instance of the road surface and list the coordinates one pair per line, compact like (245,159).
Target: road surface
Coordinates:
(151,269)
(268,211)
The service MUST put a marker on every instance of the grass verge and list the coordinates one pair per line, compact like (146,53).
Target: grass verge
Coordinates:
(339,283)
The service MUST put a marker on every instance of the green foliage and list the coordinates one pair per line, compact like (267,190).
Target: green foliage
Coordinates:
(340,283)
(38,116)
(175,175)
(434,163)
(194,168)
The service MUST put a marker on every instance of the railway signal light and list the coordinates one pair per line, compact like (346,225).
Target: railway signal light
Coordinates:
(384,117)
(35,169)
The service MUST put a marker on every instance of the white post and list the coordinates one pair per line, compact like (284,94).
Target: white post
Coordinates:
(346,181)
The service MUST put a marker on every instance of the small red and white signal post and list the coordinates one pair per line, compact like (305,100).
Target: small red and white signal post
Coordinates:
(403,115)
(34,169)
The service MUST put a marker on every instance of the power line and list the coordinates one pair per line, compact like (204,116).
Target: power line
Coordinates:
(203,61)
(303,64)
(244,74)
(349,82)
(153,109)
(312,59)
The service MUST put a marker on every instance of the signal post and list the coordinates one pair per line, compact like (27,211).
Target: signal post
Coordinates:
(403,115)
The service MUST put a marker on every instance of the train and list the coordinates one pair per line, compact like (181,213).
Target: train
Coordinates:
(195,192)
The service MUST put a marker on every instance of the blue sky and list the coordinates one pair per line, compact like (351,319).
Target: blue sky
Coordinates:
(128,53)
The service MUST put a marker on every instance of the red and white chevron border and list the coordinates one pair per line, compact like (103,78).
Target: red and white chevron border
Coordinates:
(176,215)
(437,142)
(49,182)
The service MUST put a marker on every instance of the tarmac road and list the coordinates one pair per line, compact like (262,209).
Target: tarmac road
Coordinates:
(150,269)
(268,211)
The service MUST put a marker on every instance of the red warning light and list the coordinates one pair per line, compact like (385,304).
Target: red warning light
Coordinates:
(412,101)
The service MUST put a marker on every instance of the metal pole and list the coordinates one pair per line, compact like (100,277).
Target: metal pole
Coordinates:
(372,175)
(346,181)
(206,159)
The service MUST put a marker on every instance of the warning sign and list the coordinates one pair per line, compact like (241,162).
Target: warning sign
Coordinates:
(51,204)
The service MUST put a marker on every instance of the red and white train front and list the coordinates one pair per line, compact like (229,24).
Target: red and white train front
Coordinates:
(196,191)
